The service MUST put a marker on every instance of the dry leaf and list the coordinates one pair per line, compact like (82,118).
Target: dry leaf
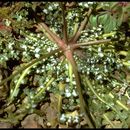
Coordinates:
(31,121)
(62,126)
(52,116)
(5,125)
(44,107)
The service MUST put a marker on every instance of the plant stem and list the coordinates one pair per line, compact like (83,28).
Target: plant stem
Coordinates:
(64,23)
(59,42)
(107,119)
(69,56)
(44,88)
(74,46)
(82,26)
(28,65)
(61,87)
(14,93)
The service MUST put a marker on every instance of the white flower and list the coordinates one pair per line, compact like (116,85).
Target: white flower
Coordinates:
(100,26)
(67,80)
(38,35)
(100,54)
(74,93)
(50,8)
(7,22)
(48,49)
(76,119)
(94,28)
(45,11)
(37,50)
(96,35)
(19,18)
(67,93)
(90,3)
(37,55)
(99,29)
(63,118)
(99,77)
(37,71)
(86,5)
(24,47)
(10,46)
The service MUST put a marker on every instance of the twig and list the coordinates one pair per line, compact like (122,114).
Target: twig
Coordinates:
(82,26)
(64,23)
(59,42)
(69,54)
(74,46)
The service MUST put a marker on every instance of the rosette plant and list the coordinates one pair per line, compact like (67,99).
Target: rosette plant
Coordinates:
(79,45)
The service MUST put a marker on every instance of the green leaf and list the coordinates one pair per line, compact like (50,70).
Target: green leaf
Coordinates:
(93,20)
(110,115)
(125,115)
(111,5)
(108,21)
